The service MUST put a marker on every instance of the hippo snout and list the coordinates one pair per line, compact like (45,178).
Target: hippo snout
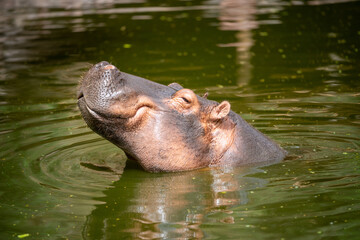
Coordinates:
(102,73)
(100,86)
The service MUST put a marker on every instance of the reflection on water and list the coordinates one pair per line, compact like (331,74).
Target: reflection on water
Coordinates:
(163,205)
(240,16)
(289,68)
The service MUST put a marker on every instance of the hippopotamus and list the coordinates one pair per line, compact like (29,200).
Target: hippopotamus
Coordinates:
(168,128)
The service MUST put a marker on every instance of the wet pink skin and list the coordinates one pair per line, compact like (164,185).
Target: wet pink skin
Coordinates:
(169,128)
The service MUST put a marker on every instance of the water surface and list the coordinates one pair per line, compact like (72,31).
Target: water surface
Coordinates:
(290,68)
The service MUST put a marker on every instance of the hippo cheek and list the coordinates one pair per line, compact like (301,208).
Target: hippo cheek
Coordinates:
(167,141)
(133,109)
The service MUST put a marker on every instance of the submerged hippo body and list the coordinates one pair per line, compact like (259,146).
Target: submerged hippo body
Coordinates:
(168,128)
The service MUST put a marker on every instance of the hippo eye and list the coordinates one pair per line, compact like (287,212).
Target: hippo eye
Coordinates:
(186,100)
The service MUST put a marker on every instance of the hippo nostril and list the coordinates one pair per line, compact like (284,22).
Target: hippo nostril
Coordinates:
(101,64)
(107,67)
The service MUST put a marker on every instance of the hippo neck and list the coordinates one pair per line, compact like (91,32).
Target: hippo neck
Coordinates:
(167,159)
(250,146)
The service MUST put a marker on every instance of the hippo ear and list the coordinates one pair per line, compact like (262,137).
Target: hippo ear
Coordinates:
(175,86)
(220,111)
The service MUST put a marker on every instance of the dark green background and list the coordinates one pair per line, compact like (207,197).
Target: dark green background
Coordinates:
(290,68)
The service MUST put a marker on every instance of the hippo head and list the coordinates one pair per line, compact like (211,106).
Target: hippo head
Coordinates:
(163,128)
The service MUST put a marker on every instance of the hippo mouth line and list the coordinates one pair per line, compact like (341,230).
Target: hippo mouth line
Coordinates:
(82,101)
(136,113)
(80,95)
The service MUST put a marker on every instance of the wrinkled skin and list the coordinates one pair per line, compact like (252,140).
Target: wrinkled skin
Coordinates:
(168,128)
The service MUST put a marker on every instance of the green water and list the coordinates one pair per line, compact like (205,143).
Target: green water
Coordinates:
(290,68)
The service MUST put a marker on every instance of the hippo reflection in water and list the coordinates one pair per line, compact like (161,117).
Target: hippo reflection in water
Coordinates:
(168,128)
